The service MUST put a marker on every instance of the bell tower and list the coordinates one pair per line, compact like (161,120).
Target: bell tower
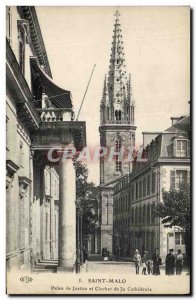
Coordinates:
(117,129)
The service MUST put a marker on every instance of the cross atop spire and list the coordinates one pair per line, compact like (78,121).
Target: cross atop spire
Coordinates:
(117,13)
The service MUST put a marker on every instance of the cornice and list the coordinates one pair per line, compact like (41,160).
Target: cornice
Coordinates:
(20,91)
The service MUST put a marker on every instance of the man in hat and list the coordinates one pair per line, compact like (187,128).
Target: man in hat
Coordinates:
(137,261)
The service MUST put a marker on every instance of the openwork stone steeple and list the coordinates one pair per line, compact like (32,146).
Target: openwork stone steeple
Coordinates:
(117,106)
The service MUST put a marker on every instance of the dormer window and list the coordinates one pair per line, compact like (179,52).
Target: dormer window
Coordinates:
(181,147)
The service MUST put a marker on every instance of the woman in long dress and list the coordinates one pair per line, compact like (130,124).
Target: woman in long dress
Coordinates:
(170,263)
(179,262)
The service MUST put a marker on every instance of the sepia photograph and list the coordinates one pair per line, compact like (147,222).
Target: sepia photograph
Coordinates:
(98,150)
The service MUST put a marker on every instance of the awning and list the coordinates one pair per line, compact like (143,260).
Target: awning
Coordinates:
(59,97)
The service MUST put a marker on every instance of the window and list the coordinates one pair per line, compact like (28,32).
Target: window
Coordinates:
(140,215)
(182,148)
(21,155)
(144,214)
(132,216)
(136,216)
(108,110)
(179,238)
(8,23)
(133,192)
(23,37)
(136,190)
(153,182)
(117,157)
(140,189)
(178,178)
(148,185)
(144,187)
(152,214)
(22,51)
(118,116)
(148,214)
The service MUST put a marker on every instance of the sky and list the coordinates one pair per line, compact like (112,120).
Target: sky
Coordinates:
(157,54)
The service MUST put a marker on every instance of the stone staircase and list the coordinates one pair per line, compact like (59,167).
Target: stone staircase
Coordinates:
(46,266)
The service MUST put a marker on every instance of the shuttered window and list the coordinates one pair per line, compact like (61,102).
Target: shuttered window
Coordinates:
(144,187)
(181,148)
(179,177)
(172,179)
(153,182)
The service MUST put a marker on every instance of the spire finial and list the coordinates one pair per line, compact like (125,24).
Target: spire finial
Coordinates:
(117,14)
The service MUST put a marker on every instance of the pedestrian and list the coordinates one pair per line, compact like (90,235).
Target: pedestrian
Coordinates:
(117,253)
(137,261)
(149,267)
(144,262)
(179,262)
(85,254)
(108,253)
(156,262)
(103,252)
(170,263)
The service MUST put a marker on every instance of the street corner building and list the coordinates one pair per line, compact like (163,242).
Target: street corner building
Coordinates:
(40,193)
(137,194)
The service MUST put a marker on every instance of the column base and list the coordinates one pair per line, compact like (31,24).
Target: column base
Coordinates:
(64,269)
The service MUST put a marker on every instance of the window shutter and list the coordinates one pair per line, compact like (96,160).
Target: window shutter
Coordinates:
(175,148)
(188,177)
(172,179)
(188,148)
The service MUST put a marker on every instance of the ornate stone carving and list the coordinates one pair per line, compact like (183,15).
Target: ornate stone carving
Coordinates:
(24,182)
(11,169)
(23,133)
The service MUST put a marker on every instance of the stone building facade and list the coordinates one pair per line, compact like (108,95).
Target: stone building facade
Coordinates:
(137,194)
(117,131)
(40,192)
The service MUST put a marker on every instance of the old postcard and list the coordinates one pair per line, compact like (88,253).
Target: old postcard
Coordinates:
(98,148)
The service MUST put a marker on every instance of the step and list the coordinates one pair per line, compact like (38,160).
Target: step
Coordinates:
(48,261)
(44,271)
(46,264)
(38,266)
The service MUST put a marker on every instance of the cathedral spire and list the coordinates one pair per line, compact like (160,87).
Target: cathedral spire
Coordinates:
(103,100)
(117,84)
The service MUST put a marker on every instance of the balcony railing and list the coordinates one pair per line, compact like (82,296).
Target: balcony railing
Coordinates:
(56,114)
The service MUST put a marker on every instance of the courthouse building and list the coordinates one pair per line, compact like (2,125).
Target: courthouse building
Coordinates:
(40,193)
(137,194)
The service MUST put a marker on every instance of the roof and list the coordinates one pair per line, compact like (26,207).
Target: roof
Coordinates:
(59,97)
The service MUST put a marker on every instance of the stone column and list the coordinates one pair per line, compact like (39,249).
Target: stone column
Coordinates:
(67,215)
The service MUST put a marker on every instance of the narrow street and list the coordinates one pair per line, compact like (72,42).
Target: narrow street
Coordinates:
(95,264)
